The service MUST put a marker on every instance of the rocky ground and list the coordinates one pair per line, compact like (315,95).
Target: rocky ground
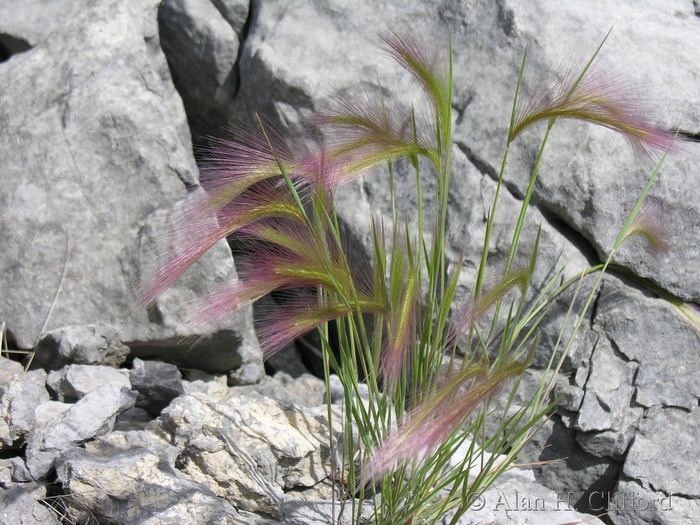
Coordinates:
(120,420)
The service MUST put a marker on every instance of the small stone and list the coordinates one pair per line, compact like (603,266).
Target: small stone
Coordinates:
(47,411)
(74,382)
(157,384)
(248,449)
(134,485)
(95,344)
(94,415)
(303,391)
(13,471)
(19,399)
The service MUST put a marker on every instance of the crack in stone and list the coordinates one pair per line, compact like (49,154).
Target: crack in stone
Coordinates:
(558,223)
(687,135)
(242,40)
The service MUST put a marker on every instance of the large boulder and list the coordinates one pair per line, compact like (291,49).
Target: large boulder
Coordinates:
(96,150)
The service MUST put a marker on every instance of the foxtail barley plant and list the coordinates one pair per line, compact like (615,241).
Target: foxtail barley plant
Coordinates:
(432,370)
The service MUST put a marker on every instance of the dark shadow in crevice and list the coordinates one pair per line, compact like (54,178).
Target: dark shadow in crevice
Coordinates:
(572,235)
(10,45)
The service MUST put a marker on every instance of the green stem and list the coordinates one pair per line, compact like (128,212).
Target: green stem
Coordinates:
(492,211)
(526,200)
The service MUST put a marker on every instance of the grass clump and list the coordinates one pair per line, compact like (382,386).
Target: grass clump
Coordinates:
(432,370)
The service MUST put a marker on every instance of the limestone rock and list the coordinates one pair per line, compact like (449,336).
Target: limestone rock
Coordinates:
(74,382)
(131,487)
(19,505)
(589,177)
(648,331)
(13,471)
(93,415)
(230,348)
(634,503)
(70,76)
(26,23)
(608,416)
(95,140)
(19,399)
(516,498)
(80,345)
(248,446)
(303,391)
(662,450)
(157,385)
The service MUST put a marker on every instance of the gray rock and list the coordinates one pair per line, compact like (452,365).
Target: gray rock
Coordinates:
(472,194)
(20,505)
(663,449)
(593,188)
(70,75)
(74,382)
(31,21)
(93,415)
(634,503)
(157,385)
(607,418)
(103,143)
(303,511)
(80,345)
(289,361)
(648,331)
(132,419)
(10,370)
(13,471)
(236,13)
(47,411)
(200,40)
(249,450)
(303,391)
(19,399)
(569,395)
(567,468)
(118,442)
(337,391)
(212,386)
(134,484)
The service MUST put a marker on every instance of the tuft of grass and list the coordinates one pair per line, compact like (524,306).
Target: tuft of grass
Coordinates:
(432,372)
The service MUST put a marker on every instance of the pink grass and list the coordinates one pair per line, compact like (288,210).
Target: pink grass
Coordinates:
(197,229)
(280,326)
(648,224)
(428,60)
(364,132)
(401,335)
(427,426)
(600,97)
